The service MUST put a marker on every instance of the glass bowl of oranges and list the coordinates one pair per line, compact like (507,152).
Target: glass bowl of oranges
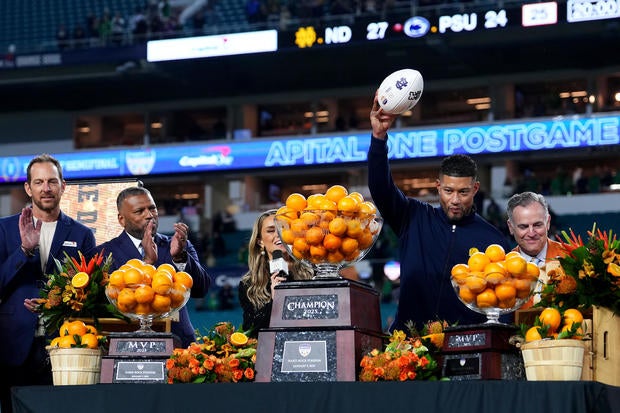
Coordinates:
(494,282)
(328,231)
(147,293)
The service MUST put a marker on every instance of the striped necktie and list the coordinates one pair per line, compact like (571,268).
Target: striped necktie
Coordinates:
(141,250)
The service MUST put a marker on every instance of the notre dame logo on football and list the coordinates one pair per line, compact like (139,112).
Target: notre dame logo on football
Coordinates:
(414,95)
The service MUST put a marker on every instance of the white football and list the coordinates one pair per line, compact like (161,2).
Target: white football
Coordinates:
(401,91)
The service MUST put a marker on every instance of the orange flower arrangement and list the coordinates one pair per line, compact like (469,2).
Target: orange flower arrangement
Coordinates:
(221,356)
(589,275)
(76,290)
(405,358)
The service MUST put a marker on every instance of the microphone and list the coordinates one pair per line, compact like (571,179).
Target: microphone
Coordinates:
(278,264)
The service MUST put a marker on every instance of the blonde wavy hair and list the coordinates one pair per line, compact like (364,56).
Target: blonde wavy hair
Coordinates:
(258,277)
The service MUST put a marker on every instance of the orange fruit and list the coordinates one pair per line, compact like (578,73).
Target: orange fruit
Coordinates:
(511,254)
(352,256)
(327,205)
(516,265)
(477,261)
(523,286)
(77,327)
(288,236)
(89,340)
(354,228)
(80,280)
(162,282)
(167,267)
(126,300)
(532,334)
(117,279)
(310,218)
(54,342)
(183,278)
(133,276)
(63,331)
(335,256)
(578,332)
(299,227)
(459,269)
(356,195)
(507,304)
(572,315)
(349,246)
(332,242)
(238,339)
(475,284)
(505,292)
(66,342)
(161,303)
(486,299)
(348,205)
(314,236)
(148,270)
(532,270)
(338,226)
(551,317)
(365,239)
(299,254)
(296,202)
(91,329)
(336,192)
(177,294)
(144,294)
(495,252)
(285,214)
(314,201)
(143,308)
(466,294)
(318,251)
(367,208)
(135,263)
(301,245)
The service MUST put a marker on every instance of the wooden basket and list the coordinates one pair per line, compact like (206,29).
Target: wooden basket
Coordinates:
(75,365)
(553,359)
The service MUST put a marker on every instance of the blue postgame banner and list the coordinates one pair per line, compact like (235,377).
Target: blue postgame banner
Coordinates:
(547,134)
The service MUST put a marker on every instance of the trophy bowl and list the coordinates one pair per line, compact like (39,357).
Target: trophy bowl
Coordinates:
(500,288)
(145,293)
(328,240)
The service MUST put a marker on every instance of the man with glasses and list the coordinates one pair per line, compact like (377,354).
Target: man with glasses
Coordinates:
(529,222)
(431,239)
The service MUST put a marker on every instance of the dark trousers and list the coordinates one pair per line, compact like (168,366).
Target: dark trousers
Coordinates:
(36,370)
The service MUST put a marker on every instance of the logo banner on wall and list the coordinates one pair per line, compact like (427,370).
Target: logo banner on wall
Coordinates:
(413,143)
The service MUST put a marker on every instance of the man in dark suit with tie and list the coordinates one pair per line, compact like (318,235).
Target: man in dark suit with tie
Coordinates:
(137,214)
(29,242)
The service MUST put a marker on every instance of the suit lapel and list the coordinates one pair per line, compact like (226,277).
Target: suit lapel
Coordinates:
(63,228)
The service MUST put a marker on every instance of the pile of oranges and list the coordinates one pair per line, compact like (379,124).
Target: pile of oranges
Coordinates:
(335,227)
(76,333)
(143,289)
(494,279)
(551,323)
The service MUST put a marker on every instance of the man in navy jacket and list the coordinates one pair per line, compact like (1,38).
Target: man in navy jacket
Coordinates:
(29,242)
(432,239)
(137,214)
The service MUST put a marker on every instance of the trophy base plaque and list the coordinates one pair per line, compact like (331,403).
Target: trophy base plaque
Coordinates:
(319,331)
(481,352)
(136,358)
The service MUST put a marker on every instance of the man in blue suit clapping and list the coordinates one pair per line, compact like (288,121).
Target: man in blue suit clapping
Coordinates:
(137,214)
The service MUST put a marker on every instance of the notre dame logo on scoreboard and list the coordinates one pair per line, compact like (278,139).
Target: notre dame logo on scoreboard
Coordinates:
(94,205)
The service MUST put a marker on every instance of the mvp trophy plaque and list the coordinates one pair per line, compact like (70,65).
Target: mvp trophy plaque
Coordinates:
(136,358)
